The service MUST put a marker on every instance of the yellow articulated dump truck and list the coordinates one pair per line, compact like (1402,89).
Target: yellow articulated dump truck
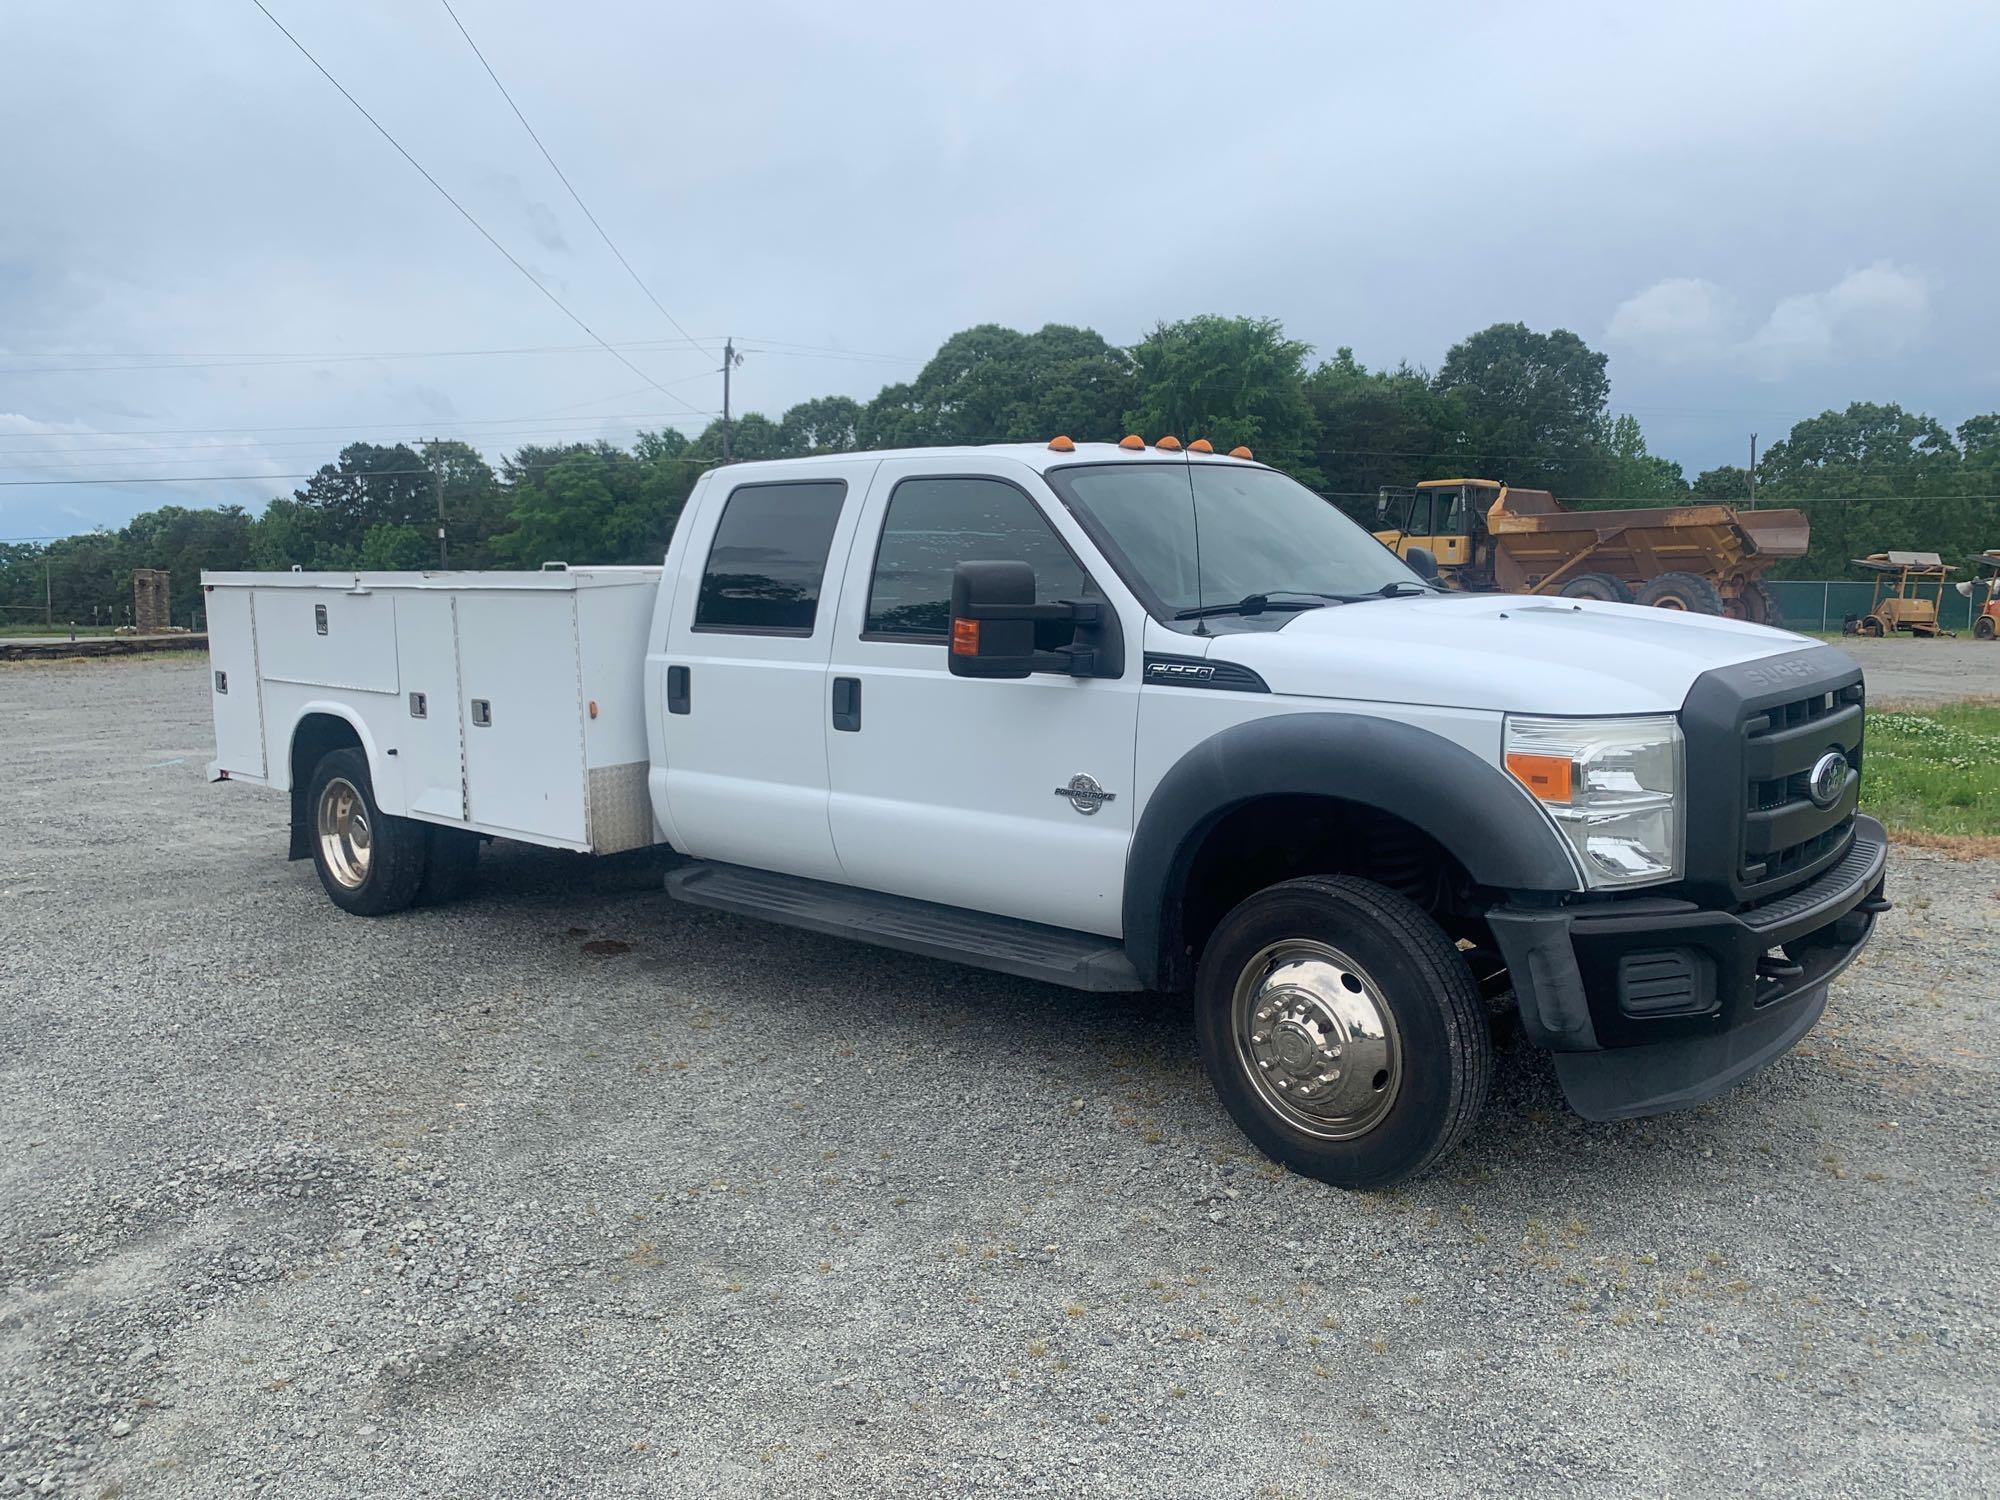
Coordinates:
(1485,535)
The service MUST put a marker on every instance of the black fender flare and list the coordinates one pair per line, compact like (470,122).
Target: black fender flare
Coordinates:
(1472,809)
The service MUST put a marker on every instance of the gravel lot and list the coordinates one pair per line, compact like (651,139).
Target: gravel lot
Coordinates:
(1904,669)
(568,1189)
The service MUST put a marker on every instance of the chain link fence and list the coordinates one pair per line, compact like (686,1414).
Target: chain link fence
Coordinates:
(1821,604)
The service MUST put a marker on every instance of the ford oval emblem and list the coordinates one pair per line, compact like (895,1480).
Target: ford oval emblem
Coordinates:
(1829,779)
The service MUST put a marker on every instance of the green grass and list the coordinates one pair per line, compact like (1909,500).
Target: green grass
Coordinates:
(1935,771)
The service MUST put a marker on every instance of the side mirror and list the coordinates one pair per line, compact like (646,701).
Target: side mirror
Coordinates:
(1422,563)
(992,629)
(993,619)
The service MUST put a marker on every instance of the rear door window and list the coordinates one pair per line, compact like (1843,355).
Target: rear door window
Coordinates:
(767,563)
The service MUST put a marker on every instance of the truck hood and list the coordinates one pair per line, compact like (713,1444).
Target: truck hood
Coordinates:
(1507,652)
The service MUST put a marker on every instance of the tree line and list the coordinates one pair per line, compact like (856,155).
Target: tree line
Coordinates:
(1507,403)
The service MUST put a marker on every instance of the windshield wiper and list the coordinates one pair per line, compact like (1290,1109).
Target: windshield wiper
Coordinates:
(1256,604)
(1390,590)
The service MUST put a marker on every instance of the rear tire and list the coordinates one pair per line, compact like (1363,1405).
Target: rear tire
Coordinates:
(369,863)
(1983,628)
(1688,592)
(1872,626)
(1605,586)
(1757,605)
(1342,1030)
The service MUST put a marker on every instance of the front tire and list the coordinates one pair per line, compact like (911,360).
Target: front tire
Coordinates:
(369,863)
(1982,628)
(1342,1030)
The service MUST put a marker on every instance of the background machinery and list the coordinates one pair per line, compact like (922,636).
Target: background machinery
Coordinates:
(1909,586)
(1986,580)
(1486,535)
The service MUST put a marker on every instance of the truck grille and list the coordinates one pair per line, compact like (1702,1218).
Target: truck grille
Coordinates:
(1785,834)
(1755,731)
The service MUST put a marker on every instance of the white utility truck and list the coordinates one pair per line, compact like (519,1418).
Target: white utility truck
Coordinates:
(1129,717)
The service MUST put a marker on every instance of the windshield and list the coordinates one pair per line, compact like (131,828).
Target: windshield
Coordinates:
(1257,533)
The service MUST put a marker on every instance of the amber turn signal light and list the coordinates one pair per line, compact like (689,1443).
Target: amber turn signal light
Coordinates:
(1131,440)
(1061,444)
(1547,776)
(964,637)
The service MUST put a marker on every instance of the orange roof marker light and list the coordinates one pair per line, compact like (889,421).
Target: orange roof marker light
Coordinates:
(1171,443)
(1131,440)
(1062,444)
(1239,452)
(1201,445)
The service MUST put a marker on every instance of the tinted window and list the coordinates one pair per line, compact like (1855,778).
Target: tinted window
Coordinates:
(768,558)
(1252,530)
(935,524)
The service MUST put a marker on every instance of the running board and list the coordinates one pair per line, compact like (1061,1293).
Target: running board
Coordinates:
(1054,955)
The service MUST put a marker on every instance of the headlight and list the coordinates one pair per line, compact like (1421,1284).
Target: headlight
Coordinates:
(1614,788)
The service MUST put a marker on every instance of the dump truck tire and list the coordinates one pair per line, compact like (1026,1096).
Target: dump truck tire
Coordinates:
(1756,605)
(1597,586)
(1689,592)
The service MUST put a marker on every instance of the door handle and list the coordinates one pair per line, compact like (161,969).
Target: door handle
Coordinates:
(847,703)
(677,690)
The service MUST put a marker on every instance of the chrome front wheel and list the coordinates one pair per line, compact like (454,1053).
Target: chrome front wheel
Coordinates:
(345,836)
(1342,1029)
(1317,1039)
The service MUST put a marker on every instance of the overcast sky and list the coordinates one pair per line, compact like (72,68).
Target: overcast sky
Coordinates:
(1758,210)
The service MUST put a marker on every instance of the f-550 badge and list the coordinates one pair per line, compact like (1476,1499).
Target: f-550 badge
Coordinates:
(1084,793)
(1179,671)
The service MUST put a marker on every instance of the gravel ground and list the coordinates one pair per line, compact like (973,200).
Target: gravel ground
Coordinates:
(568,1189)
(1904,669)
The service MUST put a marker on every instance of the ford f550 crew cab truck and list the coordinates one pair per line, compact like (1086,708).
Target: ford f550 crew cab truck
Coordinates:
(1120,718)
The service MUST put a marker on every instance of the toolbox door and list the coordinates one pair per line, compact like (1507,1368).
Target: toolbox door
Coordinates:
(233,688)
(430,739)
(520,693)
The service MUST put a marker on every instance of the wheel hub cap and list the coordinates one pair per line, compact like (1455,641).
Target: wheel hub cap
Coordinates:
(345,838)
(1317,1039)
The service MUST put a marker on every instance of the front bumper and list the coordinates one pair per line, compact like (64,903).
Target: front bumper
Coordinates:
(1650,1004)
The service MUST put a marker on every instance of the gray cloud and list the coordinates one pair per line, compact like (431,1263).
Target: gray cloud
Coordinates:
(1760,211)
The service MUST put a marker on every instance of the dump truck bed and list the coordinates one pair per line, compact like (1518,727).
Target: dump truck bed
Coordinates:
(1539,539)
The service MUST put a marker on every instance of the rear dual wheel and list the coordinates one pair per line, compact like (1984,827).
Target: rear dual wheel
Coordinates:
(371,863)
(1342,1030)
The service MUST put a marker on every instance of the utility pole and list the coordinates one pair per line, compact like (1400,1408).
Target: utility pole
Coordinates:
(48,596)
(1753,471)
(437,486)
(730,359)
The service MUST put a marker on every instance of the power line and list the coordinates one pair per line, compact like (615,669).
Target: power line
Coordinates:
(601,234)
(344,426)
(247,357)
(305,474)
(464,213)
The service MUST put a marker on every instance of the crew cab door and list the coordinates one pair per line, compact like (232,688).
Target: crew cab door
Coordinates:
(743,695)
(954,789)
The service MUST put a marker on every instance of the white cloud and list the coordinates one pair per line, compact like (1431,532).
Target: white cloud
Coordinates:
(1878,310)
(1683,317)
